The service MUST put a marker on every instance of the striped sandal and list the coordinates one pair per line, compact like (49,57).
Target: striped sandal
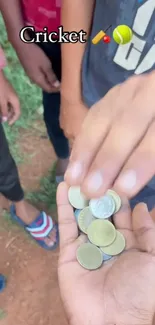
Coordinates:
(39,229)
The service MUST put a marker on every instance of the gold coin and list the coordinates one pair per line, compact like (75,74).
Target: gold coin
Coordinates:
(116,198)
(85,218)
(101,232)
(89,256)
(77,198)
(116,247)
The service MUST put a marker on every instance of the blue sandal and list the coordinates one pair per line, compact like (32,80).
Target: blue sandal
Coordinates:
(38,229)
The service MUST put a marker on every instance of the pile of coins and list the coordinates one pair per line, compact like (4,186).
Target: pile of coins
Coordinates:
(94,219)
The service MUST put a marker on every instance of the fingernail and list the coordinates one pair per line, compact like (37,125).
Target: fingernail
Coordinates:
(128,180)
(56,84)
(74,170)
(94,182)
(4,119)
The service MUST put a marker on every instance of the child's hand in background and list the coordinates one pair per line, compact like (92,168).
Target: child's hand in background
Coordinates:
(37,66)
(9,102)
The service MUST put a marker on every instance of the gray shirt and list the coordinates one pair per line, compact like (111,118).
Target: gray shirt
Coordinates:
(106,65)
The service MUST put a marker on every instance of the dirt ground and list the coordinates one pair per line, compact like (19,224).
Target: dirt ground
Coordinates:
(32,295)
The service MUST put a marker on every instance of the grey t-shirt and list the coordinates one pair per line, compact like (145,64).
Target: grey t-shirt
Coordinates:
(106,65)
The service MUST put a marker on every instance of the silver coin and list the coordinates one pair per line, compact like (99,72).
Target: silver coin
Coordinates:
(103,207)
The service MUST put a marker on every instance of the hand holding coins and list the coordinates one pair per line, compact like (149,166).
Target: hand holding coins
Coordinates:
(120,292)
(92,218)
(117,156)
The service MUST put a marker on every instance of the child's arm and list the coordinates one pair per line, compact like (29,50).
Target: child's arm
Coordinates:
(76,16)
(12,15)
(9,103)
(34,61)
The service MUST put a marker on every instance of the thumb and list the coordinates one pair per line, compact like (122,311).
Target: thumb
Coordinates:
(144,228)
(4,112)
(14,109)
(67,224)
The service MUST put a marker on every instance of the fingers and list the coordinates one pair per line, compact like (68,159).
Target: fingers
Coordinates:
(114,152)
(98,146)
(140,167)
(88,142)
(67,225)
(4,119)
(14,110)
(130,239)
(42,81)
(108,140)
(52,79)
(144,228)
(49,80)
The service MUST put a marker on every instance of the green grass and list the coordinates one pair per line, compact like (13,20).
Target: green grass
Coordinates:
(30,98)
(47,191)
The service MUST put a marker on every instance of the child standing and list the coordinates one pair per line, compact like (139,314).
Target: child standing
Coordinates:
(42,63)
(38,224)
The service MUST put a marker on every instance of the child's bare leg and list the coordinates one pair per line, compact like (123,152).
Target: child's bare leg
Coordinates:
(11,188)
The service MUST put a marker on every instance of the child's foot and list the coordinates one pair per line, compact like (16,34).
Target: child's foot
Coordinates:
(36,223)
(61,167)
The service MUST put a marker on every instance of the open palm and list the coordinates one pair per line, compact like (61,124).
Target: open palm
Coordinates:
(123,290)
